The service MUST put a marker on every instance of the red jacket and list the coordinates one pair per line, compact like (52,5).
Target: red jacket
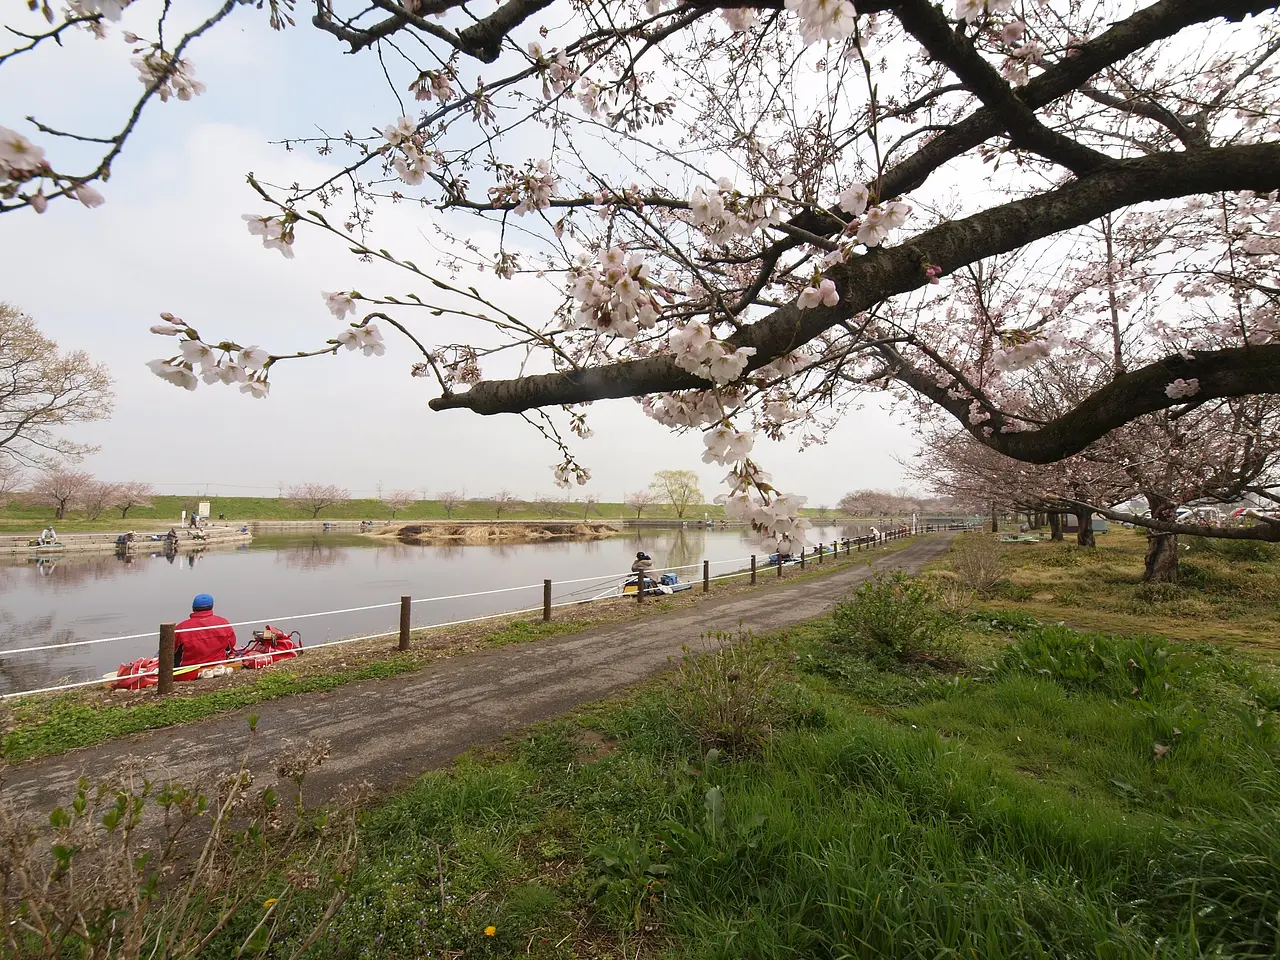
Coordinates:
(215,640)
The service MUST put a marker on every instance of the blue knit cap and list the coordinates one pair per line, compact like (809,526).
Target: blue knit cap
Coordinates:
(203,601)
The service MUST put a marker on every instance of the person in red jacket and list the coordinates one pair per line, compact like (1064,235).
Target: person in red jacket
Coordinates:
(204,637)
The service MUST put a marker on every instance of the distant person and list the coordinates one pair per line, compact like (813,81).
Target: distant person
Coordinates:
(47,535)
(204,637)
(642,563)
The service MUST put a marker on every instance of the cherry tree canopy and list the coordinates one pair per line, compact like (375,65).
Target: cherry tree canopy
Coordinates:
(756,212)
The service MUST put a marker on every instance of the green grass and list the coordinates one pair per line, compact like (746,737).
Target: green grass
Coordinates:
(1228,592)
(1000,812)
(14,514)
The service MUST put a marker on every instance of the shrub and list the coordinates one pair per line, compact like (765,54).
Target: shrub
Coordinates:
(979,563)
(1157,593)
(894,618)
(136,869)
(725,696)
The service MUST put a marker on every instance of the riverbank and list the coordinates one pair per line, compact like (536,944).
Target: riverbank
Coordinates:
(145,541)
(54,723)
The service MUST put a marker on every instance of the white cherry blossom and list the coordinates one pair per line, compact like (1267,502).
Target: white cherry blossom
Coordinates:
(194,351)
(254,357)
(340,303)
(18,155)
(1182,388)
(87,195)
(853,199)
(176,374)
(824,293)
(256,388)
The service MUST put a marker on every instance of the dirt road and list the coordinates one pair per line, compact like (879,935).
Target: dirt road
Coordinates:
(390,730)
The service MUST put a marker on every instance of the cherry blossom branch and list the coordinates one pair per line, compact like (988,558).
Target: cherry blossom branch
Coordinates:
(1267,529)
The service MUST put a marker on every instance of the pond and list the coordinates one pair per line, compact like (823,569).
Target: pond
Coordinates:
(275,579)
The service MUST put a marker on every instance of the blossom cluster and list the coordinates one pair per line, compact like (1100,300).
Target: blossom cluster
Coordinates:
(218,363)
(971,10)
(1182,388)
(726,445)
(530,190)
(173,77)
(407,146)
(276,232)
(615,295)
(749,502)
(697,350)
(21,161)
(568,473)
(364,337)
(434,83)
(1016,356)
(691,408)
(724,213)
(824,19)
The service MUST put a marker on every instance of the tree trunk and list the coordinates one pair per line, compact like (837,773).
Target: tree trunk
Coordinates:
(1084,536)
(1162,548)
(1055,527)
(995,521)
(1037,519)
(124,511)
(59,511)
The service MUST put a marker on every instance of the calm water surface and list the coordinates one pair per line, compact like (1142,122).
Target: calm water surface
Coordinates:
(274,579)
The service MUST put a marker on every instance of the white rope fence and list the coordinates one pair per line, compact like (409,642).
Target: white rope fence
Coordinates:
(848,543)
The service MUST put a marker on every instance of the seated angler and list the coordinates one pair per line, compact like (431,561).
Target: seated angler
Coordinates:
(204,637)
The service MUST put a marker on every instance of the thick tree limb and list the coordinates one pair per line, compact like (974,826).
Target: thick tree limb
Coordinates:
(1268,531)
(883,273)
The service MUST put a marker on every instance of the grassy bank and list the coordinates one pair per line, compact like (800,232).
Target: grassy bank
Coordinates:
(54,723)
(1023,792)
(17,516)
(1229,591)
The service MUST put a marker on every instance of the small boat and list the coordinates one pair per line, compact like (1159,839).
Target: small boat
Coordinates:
(665,585)
(787,559)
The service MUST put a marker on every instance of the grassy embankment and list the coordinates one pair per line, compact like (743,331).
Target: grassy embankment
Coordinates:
(911,777)
(980,784)
(17,517)
(54,723)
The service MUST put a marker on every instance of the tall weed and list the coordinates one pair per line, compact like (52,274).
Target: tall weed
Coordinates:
(725,695)
(979,562)
(893,618)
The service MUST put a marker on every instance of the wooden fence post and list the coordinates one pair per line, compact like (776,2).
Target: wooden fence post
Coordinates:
(164,681)
(546,601)
(779,563)
(640,586)
(706,576)
(802,558)
(821,550)
(753,569)
(406,615)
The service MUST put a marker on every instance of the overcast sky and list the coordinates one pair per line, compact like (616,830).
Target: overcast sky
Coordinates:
(170,238)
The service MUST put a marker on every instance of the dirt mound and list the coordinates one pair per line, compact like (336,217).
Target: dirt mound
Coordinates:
(498,532)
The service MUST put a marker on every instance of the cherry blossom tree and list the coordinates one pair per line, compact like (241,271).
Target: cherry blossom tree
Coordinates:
(11,477)
(639,500)
(449,500)
(501,500)
(130,495)
(61,489)
(398,500)
(679,488)
(316,496)
(757,212)
(551,504)
(97,497)
(43,389)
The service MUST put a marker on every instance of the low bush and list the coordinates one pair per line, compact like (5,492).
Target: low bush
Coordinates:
(725,696)
(893,618)
(979,563)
